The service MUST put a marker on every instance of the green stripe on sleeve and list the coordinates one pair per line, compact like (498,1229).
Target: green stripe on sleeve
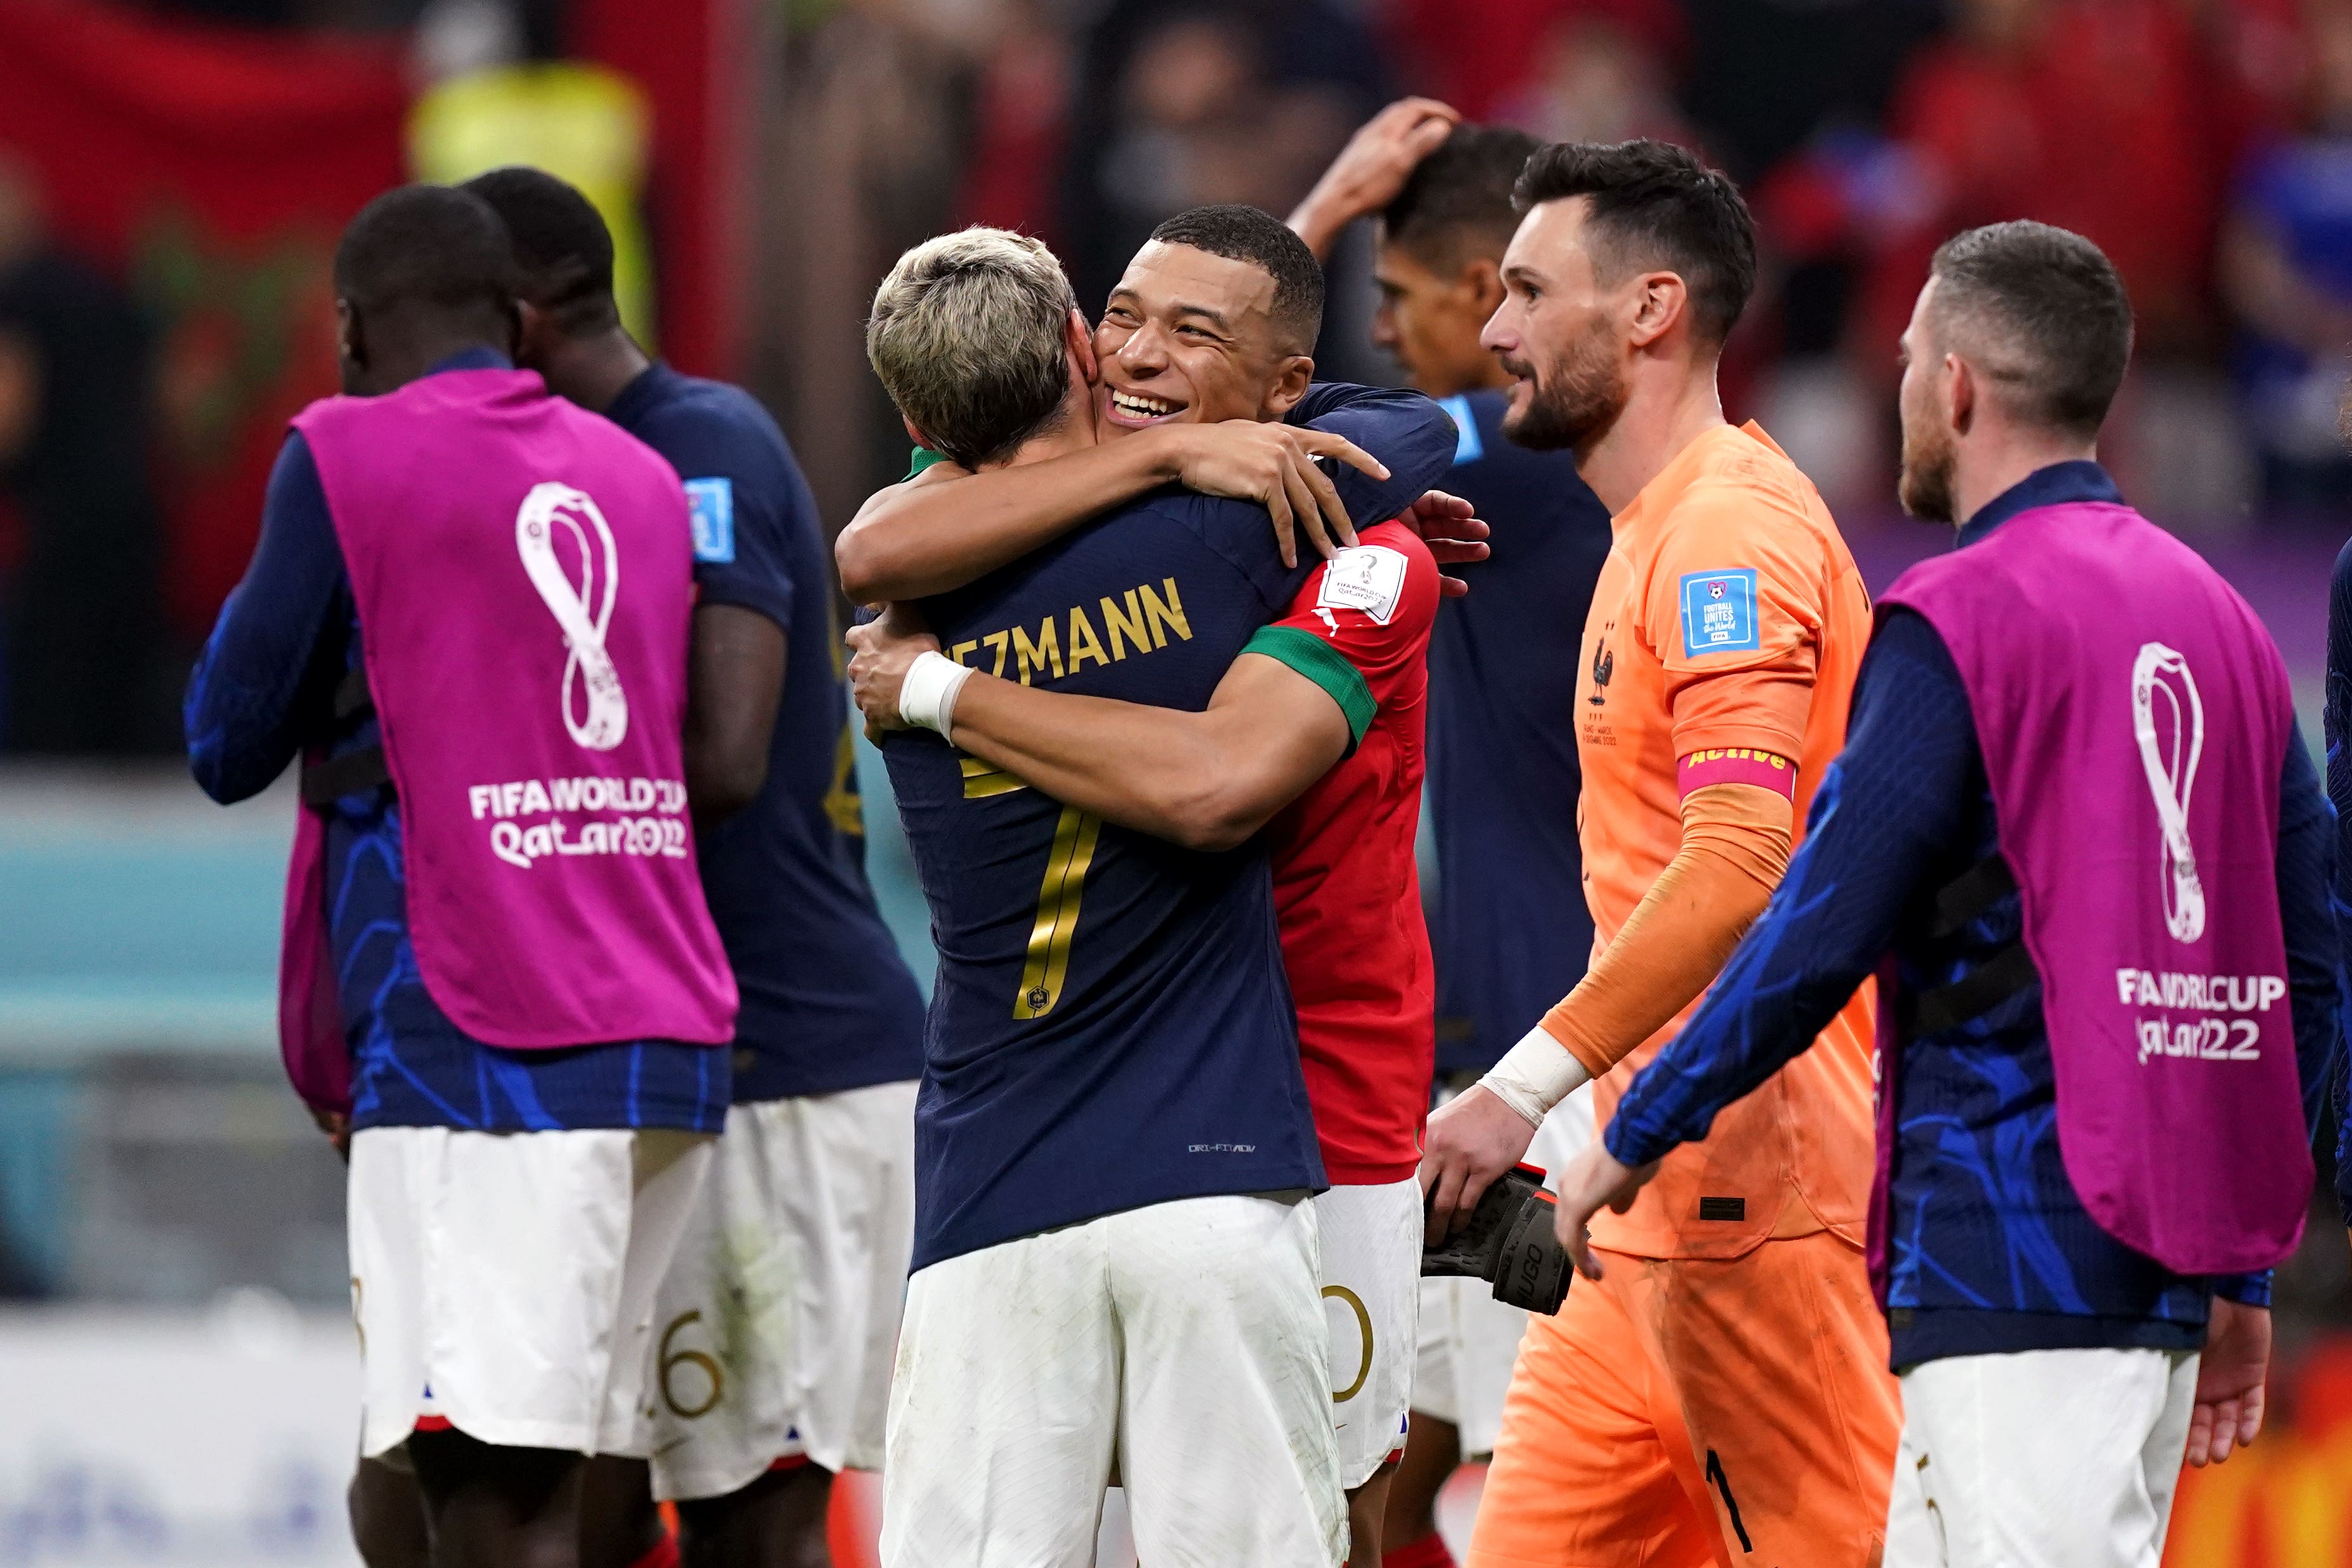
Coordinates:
(1324,665)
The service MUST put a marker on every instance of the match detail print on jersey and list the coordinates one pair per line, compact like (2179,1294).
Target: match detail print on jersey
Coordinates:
(1368,578)
(606,722)
(1719,613)
(2159,675)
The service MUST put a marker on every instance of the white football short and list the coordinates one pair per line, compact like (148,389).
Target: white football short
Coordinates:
(776,1323)
(1184,1341)
(1371,1300)
(1469,1341)
(504,1282)
(2039,1460)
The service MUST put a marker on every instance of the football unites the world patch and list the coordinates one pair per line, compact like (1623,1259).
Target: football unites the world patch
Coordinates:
(711,505)
(1719,611)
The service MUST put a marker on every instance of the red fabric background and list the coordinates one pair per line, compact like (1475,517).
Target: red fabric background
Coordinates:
(212,170)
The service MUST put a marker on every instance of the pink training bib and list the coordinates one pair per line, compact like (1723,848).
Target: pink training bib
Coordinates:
(2135,715)
(523,575)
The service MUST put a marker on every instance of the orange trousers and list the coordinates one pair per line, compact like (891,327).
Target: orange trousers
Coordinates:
(1680,1413)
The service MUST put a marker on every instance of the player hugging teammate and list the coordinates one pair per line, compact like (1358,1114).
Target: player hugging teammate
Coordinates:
(1247,773)
(1159,1209)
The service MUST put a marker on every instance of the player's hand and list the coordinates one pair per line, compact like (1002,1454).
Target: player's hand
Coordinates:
(1593,1181)
(1471,1140)
(1372,168)
(1272,465)
(1454,533)
(2229,1410)
(336,1126)
(880,652)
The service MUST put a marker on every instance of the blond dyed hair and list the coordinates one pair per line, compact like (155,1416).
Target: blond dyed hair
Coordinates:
(967,336)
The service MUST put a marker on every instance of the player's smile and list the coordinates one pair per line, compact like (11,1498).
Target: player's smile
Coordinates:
(1134,410)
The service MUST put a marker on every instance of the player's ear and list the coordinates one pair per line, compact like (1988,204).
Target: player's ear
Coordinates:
(1292,376)
(1079,338)
(535,333)
(1660,299)
(518,329)
(917,436)
(351,345)
(1963,381)
(1480,284)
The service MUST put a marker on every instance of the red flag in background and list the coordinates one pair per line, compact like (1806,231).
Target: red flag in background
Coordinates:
(212,169)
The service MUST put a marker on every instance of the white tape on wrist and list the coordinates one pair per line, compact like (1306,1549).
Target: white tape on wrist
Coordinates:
(1534,1075)
(927,696)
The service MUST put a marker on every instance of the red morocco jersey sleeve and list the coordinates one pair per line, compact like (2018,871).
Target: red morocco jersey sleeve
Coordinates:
(1345,887)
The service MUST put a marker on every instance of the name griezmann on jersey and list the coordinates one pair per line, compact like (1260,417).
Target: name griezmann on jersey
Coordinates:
(1139,618)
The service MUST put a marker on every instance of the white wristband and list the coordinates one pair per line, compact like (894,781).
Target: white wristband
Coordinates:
(927,696)
(1534,1075)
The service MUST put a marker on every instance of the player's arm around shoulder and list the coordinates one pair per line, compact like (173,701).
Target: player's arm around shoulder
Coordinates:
(949,526)
(1303,694)
(1206,780)
(1299,698)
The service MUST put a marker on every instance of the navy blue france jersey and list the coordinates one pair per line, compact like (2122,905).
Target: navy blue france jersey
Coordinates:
(1990,1249)
(1513,933)
(1111,1026)
(262,691)
(828,1002)
(2336,717)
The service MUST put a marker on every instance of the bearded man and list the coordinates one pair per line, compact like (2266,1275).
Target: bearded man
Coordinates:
(1655,1419)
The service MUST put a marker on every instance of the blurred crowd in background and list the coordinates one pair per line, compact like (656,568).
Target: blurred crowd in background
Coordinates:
(2206,144)
(173,174)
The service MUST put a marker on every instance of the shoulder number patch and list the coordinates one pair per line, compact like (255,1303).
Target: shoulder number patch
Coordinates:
(1367,577)
(1719,613)
(711,504)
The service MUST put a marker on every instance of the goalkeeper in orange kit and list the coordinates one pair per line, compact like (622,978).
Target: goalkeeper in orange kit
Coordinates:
(1651,1423)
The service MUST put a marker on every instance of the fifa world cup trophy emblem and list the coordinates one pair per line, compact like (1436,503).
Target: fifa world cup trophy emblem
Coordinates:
(551,506)
(2169,722)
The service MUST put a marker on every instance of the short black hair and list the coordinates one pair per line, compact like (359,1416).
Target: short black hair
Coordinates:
(2055,322)
(429,246)
(1248,234)
(1456,203)
(562,250)
(1659,207)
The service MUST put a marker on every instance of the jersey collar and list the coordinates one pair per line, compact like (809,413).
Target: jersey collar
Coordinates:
(2077,481)
(644,389)
(481,356)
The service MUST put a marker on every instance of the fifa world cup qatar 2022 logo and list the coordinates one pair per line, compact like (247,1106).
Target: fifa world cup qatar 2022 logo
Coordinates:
(549,507)
(2169,720)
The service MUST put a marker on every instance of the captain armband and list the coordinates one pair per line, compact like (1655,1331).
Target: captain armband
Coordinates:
(1534,1075)
(927,696)
(1736,764)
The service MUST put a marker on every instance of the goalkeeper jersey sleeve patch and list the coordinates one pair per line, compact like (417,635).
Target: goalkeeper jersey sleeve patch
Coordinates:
(1719,611)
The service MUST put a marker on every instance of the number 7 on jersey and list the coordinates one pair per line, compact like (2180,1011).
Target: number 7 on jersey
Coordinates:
(1058,913)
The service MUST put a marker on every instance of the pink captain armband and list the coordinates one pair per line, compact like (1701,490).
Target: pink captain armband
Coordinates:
(1737,765)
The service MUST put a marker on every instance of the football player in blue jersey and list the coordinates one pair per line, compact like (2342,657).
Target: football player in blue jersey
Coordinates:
(776,1321)
(1511,933)
(549,1186)
(1115,1261)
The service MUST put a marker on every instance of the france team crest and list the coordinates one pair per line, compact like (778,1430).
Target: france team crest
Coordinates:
(1719,613)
